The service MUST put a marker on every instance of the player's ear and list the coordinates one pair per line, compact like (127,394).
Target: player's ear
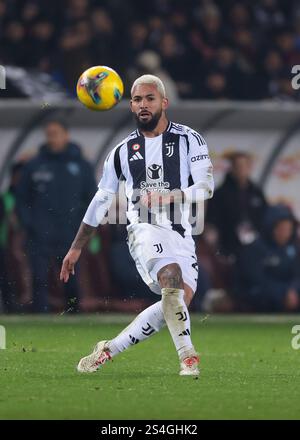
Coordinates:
(165,103)
(131,106)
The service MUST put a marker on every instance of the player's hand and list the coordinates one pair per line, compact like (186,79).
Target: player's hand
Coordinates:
(69,263)
(156,198)
(152,199)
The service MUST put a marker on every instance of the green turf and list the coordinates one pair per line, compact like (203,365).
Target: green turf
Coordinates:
(249,371)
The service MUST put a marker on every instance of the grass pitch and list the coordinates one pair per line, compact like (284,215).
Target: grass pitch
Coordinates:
(248,371)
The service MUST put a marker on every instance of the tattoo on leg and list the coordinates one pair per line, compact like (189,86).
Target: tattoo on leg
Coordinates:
(170,276)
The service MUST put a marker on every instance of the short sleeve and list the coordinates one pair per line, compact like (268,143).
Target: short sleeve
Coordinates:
(198,154)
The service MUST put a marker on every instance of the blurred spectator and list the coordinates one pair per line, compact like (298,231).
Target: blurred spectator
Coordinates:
(215,276)
(215,86)
(13,46)
(15,275)
(273,69)
(2,15)
(30,12)
(174,60)
(41,42)
(150,62)
(238,206)
(64,38)
(76,10)
(269,15)
(268,269)
(56,183)
(137,39)
(75,54)
(207,34)
(285,90)
(240,17)
(104,42)
(224,64)
(156,29)
(286,45)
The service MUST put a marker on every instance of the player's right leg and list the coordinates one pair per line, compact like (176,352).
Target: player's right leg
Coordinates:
(177,317)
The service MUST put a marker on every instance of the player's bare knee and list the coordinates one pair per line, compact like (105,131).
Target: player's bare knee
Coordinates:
(170,276)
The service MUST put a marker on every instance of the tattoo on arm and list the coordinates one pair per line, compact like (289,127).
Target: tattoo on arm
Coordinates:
(82,236)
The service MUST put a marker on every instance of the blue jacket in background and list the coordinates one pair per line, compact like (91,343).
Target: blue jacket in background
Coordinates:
(52,196)
(266,270)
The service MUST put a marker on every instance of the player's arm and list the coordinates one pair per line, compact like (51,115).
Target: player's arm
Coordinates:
(95,213)
(200,168)
(82,237)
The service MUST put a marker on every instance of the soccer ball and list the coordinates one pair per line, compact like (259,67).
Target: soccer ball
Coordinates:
(100,88)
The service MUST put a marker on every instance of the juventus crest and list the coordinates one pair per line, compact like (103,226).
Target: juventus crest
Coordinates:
(170,148)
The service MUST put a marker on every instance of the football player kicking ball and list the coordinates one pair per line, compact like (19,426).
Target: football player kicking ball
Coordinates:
(157,161)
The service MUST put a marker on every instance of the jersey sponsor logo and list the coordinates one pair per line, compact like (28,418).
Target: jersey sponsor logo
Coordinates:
(199,157)
(136,147)
(170,148)
(158,248)
(136,156)
(154,171)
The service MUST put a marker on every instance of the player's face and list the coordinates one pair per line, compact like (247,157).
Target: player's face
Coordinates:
(57,136)
(148,105)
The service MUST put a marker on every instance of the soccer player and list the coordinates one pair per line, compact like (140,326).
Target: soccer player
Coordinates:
(162,163)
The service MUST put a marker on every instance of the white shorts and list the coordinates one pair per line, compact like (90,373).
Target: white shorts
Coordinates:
(153,247)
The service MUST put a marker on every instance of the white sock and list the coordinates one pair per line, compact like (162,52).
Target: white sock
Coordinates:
(178,320)
(146,324)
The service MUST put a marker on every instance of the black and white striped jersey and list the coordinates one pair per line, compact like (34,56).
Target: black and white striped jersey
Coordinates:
(173,160)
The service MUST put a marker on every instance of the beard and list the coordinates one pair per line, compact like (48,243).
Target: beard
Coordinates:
(148,125)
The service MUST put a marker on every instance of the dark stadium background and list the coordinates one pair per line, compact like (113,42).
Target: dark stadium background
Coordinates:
(227,66)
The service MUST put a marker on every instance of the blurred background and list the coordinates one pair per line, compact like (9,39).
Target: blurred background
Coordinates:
(227,66)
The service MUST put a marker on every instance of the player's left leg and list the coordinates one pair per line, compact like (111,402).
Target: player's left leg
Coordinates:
(146,324)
